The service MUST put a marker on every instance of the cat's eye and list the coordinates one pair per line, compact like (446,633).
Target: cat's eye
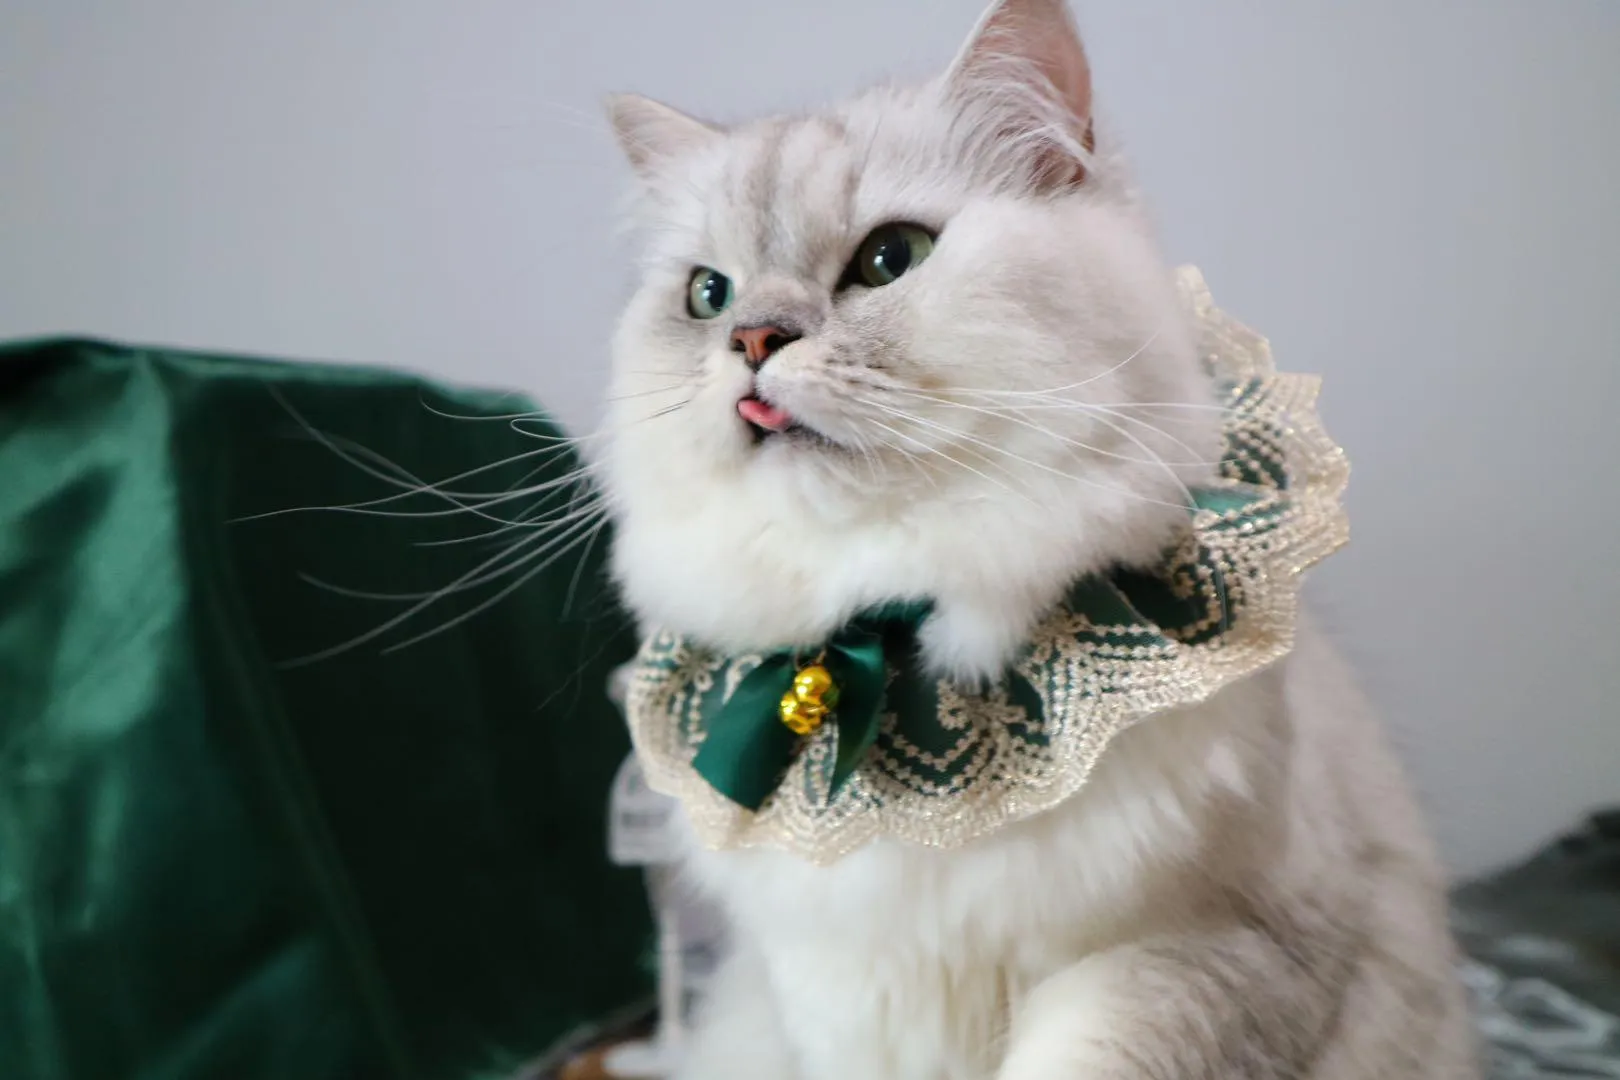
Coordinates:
(889,252)
(708,293)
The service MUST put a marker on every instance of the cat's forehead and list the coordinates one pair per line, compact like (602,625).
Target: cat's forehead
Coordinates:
(784,195)
(794,194)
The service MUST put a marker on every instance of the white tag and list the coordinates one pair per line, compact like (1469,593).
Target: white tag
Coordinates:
(702,935)
(690,938)
(618,688)
(690,924)
(641,822)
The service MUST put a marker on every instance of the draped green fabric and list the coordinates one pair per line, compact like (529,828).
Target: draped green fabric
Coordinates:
(216,864)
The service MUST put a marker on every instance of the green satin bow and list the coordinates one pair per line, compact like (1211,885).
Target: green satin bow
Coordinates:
(746,747)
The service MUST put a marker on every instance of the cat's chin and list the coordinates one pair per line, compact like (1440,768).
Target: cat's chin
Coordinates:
(797,436)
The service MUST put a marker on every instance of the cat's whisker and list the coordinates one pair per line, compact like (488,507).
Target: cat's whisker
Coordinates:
(913,459)
(493,568)
(957,439)
(869,448)
(648,393)
(582,472)
(357,456)
(1191,405)
(541,436)
(1046,400)
(1056,402)
(577,478)
(950,460)
(578,443)
(438,488)
(1099,411)
(1071,386)
(961,441)
(579,566)
(532,414)
(1038,465)
(484,605)
(533,524)
(933,400)
(494,574)
(1009,414)
(1175,478)
(1220,584)
(1091,408)
(615,429)
(1095,411)
(573,478)
(449,590)
(665,411)
(606,431)
(861,448)
(409,597)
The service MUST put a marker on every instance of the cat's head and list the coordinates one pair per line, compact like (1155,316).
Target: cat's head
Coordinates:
(920,344)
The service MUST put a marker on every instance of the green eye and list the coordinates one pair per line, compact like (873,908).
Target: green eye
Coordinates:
(708,294)
(890,251)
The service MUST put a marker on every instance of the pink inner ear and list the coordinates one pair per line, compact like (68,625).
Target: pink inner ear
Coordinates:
(1062,59)
(1016,36)
(1071,75)
(1041,32)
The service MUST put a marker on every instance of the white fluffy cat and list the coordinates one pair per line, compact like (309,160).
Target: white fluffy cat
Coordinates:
(809,417)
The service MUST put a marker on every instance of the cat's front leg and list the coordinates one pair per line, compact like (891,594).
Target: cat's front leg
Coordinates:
(738,1033)
(1231,1003)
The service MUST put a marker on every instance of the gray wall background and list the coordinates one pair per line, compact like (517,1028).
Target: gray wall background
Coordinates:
(1417,199)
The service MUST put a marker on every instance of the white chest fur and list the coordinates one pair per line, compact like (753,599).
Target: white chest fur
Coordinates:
(908,963)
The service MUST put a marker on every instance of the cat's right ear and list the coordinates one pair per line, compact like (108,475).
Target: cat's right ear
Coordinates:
(1026,56)
(652,134)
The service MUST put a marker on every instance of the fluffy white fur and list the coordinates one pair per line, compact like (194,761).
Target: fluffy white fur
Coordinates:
(1245,889)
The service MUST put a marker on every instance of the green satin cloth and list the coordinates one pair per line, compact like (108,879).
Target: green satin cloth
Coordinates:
(213,865)
(747,747)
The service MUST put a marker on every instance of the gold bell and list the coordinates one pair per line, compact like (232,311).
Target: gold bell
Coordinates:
(801,717)
(813,696)
(815,683)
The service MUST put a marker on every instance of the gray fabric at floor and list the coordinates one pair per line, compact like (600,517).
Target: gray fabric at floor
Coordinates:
(1543,946)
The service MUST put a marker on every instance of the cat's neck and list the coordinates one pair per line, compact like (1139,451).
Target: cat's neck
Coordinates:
(800,577)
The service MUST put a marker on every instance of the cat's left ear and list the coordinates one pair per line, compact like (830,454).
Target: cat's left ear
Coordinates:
(652,134)
(1031,47)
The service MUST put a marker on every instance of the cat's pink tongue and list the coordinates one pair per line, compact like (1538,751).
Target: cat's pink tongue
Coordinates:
(762,415)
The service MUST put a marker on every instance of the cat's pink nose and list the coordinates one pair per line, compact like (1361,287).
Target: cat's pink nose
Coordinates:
(757,343)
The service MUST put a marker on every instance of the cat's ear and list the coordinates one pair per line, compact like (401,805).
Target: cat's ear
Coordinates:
(653,134)
(1028,54)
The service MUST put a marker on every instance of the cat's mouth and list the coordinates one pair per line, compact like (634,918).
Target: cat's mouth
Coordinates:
(767,421)
(763,417)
